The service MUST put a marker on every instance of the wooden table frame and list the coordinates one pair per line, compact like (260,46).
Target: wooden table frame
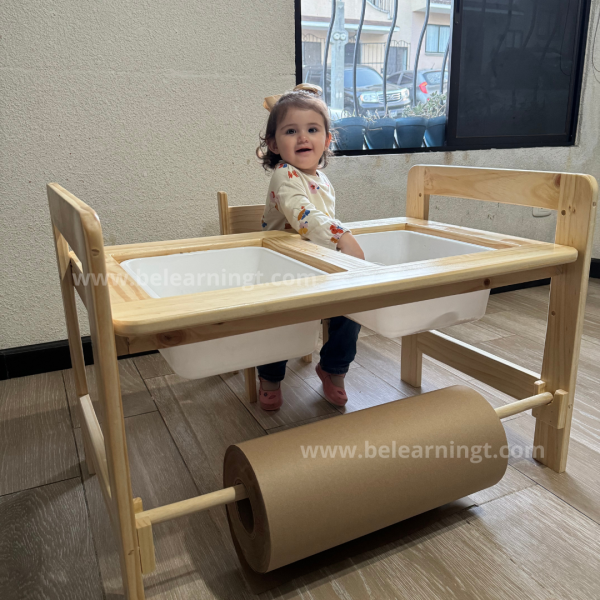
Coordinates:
(124,320)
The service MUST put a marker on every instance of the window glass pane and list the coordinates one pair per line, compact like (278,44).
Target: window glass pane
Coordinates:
(311,53)
(397,59)
(432,77)
(409,110)
(516,67)
(349,53)
(444,37)
(431,41)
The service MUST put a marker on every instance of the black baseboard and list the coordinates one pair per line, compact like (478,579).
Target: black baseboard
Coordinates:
(54,356)
(43,358)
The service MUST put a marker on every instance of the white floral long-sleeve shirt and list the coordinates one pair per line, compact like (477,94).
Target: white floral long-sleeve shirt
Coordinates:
(303,202)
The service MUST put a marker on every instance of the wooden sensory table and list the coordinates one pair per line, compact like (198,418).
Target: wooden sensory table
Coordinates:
(125,320)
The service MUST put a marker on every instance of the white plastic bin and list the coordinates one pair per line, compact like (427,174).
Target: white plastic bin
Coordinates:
(193,272)
(397,247)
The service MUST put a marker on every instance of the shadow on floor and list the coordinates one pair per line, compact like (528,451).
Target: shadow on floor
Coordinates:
(367,548)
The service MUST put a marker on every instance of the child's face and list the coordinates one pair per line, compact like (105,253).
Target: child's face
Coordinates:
(300,139)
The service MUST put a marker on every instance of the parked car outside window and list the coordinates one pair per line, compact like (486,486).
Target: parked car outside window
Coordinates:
(428,81)
(369,89)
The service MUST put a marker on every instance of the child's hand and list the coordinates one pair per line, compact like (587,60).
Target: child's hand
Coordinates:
(348,245)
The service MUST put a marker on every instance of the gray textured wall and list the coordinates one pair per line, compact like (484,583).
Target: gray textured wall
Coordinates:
(146,109)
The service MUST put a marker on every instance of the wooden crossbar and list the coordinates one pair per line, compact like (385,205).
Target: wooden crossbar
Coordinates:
(501,374)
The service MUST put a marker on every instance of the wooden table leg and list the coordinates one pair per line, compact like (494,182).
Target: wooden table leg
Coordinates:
(250,379)
(411,362)
(574,227)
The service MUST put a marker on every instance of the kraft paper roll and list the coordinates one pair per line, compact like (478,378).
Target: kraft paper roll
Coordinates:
(298,506)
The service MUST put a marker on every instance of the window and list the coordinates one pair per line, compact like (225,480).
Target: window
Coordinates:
(459,74)
(437,39)
(516,73)
(311,53)
(349,54)
(398,59)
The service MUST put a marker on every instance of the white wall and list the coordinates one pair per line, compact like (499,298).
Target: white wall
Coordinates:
(145,110)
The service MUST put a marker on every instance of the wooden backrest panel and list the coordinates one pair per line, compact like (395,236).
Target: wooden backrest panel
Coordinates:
(68,214)
(246,219)
(239,219)
(76,224)
(524,188)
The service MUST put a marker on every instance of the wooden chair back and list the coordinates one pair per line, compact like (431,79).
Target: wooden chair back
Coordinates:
(239,219)
(539,189)
(76,225)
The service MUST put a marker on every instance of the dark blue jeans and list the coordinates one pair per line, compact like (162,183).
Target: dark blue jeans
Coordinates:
(336,354)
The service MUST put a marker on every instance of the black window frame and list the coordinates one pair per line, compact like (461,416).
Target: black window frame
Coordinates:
(484,143)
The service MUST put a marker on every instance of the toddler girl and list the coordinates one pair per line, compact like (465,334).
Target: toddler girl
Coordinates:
(296,142)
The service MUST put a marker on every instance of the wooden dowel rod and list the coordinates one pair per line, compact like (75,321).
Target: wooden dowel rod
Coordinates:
(238,492)
(192,505)
(522,405)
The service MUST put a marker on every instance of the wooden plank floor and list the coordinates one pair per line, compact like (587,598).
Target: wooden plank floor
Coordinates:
(46,547)
(36,441)
(535,534)
(134,393)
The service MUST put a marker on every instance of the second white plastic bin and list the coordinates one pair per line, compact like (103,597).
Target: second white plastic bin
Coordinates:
(398,247)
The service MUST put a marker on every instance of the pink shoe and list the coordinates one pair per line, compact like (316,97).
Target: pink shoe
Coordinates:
(333,393)
(269,400)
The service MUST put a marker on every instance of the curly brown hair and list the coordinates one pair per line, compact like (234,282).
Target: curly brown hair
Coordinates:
(304,97)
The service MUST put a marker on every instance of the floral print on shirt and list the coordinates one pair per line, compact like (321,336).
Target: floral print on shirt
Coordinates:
(304,203)
(274,201)
(337,233)
(303,221)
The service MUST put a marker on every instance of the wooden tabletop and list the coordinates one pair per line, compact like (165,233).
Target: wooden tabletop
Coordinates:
(350,285)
